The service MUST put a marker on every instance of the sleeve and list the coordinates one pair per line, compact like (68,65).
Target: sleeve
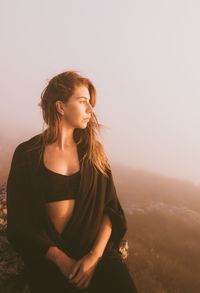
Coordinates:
(115,212)
(25,231)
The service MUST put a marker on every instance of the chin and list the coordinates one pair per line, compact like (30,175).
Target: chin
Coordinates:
(82,126)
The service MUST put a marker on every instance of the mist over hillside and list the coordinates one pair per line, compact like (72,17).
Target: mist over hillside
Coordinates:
(163,216)
(139,188)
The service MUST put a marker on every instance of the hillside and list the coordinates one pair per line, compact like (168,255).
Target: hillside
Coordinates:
(163,216)
(163,230)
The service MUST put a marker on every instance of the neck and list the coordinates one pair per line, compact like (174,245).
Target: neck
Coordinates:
(65,139)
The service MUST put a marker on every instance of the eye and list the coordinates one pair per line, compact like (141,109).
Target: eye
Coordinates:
(85,102)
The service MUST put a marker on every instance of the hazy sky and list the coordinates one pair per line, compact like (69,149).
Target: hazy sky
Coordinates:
(143,57)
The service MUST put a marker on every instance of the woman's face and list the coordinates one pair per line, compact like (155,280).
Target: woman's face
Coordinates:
(78,110)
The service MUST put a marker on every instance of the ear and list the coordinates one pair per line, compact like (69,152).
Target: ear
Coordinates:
(59,107)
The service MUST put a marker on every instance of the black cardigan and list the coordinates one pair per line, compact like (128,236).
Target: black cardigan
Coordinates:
(29,228)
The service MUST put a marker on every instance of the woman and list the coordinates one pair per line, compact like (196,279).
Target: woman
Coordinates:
(64,216)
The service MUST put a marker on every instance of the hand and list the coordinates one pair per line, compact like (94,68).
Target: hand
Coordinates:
(65,264)
(83,271)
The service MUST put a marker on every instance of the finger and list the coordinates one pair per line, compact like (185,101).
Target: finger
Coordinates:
(80,275)
(82,280)
(78,278)
(74,271)
(90,279)
(85,283)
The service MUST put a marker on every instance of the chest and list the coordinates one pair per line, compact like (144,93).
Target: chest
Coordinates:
(60,185)
(61,162)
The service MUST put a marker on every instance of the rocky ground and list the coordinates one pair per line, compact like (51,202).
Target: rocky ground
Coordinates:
(12,274)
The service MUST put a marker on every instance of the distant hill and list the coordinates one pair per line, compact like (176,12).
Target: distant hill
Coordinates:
(139,188)
(163,216)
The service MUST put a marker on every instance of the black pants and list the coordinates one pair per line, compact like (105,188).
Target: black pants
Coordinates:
(111,275)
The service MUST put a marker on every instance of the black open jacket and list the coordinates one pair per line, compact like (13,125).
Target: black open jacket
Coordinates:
(29,228)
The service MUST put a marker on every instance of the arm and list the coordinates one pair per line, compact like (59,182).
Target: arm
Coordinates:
(25,229)
(54,254)
(115,212)
(57,256)
(102,237)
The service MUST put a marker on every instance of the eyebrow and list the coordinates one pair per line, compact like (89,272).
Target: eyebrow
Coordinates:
(82,97)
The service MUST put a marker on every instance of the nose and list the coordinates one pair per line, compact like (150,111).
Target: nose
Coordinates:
(90,109)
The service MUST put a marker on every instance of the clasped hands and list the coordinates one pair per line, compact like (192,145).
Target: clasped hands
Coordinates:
(83,270)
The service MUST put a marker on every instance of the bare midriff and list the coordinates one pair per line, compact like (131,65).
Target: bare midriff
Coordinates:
(65,163)
(60,212)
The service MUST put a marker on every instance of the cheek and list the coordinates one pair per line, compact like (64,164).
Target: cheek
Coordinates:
(74,112)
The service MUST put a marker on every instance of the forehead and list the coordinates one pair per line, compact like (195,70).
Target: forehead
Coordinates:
(81,91)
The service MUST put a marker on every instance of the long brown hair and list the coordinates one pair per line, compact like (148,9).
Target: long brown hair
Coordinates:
(61,87)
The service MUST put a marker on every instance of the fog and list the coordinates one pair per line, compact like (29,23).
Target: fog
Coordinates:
(143,58)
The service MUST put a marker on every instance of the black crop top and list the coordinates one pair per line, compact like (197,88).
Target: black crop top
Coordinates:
(57,186)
